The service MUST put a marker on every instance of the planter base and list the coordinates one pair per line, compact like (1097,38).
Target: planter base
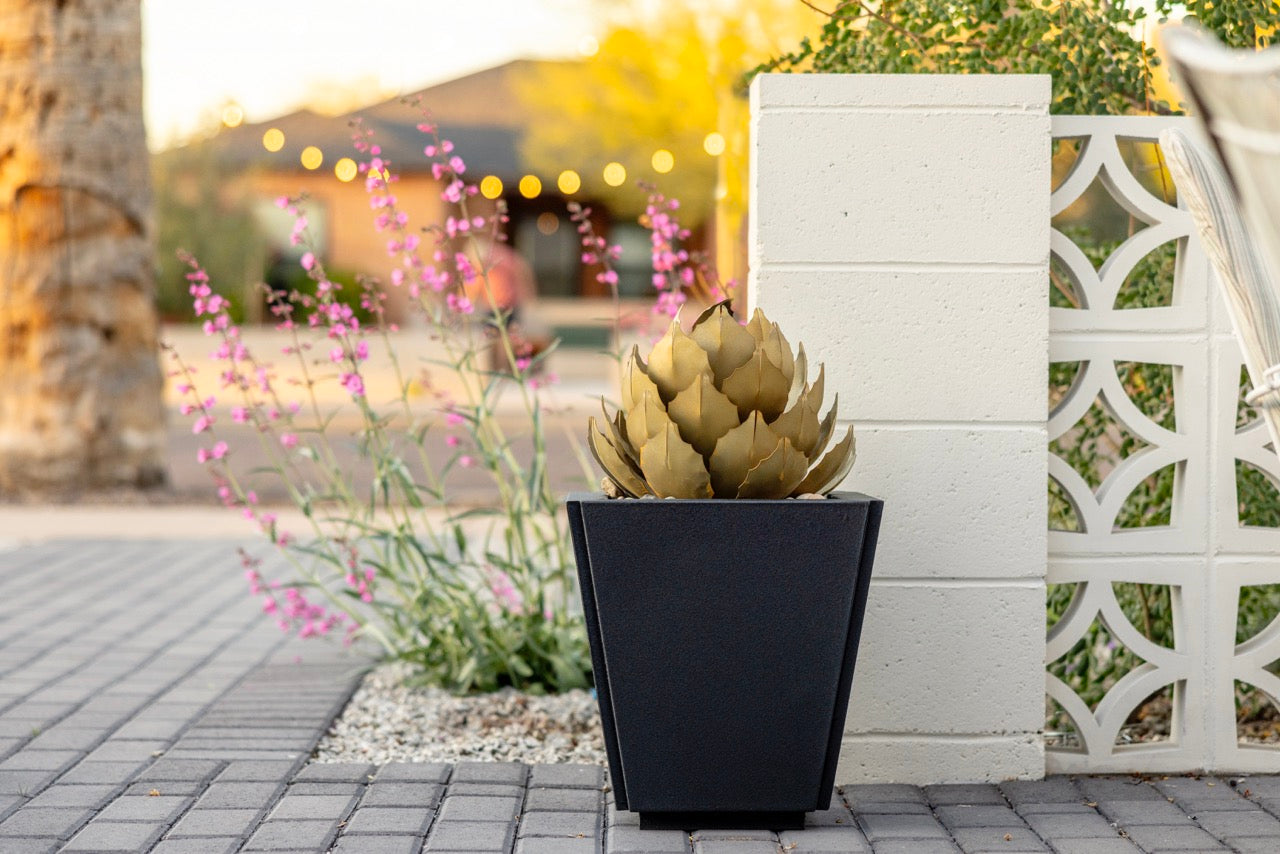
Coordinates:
(721,820)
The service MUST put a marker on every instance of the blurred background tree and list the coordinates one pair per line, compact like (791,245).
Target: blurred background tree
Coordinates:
(667,77)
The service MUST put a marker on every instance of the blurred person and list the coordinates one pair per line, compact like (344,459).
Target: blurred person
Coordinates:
(513,288)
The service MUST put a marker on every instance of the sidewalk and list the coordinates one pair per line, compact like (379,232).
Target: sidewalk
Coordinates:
(145,705)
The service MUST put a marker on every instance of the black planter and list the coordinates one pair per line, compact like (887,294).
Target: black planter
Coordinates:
(723,638)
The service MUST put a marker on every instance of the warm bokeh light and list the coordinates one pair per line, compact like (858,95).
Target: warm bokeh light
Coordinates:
(663,161)
(615,174)
(273,139)
(232,115)
(569,182)
(345,169)
(530,186)
(548,223)
(311,157)
(491,186)
(588,46)
(714,144)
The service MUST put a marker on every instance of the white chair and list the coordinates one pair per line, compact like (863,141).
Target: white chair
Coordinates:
(1247,285)
(1236,94)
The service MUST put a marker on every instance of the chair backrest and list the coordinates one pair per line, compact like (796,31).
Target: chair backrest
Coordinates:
(1246,283)
(1236,93)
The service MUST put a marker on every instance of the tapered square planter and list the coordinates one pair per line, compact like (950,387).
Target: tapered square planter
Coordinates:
(723,637)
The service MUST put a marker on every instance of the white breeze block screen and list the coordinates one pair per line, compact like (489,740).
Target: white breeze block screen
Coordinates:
(900,229)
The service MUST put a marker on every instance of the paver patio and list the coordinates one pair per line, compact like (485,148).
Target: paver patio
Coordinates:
(145,705)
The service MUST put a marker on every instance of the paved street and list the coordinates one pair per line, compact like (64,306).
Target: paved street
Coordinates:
(145,705)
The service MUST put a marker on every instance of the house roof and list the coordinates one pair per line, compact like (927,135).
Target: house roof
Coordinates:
(481,113)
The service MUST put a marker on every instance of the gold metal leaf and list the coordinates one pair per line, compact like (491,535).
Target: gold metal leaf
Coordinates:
(618,436)
(704,414)
(800,424)
(827,474)
(727,344)
(769,337)
(758,386)
(635,381)
(818,389)
(776,475)
(825,430)
(801,376)
(647,418)
(612,462)
(672,468)
(676,362)
(739,451)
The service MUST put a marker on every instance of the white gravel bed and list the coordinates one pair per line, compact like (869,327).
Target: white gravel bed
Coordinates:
(388,722)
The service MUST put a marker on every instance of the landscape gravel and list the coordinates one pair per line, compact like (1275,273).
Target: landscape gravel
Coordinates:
(386,721)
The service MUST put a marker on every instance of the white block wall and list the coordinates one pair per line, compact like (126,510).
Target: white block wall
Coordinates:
(900,229)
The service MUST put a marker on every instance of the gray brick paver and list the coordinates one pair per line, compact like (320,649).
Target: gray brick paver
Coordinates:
(964,793)
(308,787)
(30,845)
(398,794)
(198,845)
(397,820)
(44,821)
(878,827)
(560,824)
(144,808)
(471,836)
(259,771)
(238,795)
(110,836)
(289,834)
(539,845)
(1094,846)
(566,776)
(984,815)
(915,846)
(229,822)
(40,760)
(508,790)
(336,772)
(74,796)
(1171,837)
(633,840)
(1137,813)
(563,800)
(977,839)
(1228,824)
(824,839)
(1118,789)
(479,808)
(117,773)
(334,807)
(413,772)
(512,773)
(378,845)
(1071,825)
(1256,845)
(837,815)
(717,846)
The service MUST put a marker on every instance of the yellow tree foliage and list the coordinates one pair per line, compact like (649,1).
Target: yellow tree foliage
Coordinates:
(664,83)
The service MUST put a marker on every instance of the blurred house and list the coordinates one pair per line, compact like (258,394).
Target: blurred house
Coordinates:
(304,152)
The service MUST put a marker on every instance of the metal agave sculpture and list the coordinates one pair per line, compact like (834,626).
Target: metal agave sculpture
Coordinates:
(723,411)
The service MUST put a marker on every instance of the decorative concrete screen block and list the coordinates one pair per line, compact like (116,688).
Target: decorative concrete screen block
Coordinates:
(1201,558)
(901,225)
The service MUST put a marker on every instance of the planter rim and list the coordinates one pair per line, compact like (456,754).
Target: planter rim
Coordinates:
(601,498)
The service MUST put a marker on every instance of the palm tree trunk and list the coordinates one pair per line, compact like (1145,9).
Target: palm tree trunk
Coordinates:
(80,380)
